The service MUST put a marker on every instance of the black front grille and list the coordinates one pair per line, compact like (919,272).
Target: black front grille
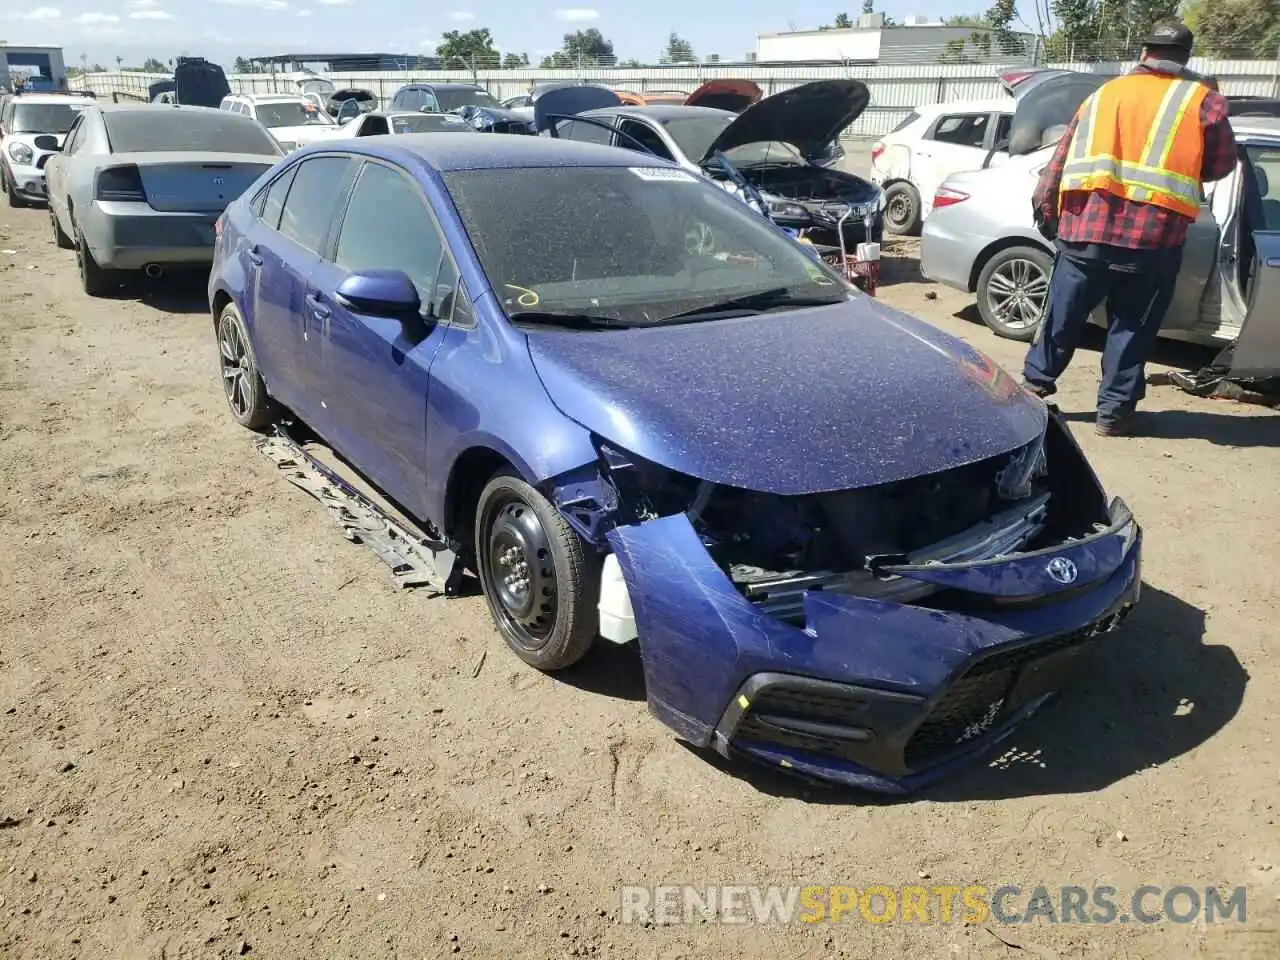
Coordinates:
(977,702)
(809,706)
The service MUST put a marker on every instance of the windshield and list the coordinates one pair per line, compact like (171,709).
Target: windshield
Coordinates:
(694,135)
(160,130)
(45,117)
(636,245)
(290,113)
(456,99)
(430,123)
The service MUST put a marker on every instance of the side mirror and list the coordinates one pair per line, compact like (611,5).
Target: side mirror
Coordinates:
(46,141)
(383,293)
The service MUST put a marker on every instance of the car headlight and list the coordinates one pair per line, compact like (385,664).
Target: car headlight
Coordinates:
(21,153)
(785,208)
(288,146)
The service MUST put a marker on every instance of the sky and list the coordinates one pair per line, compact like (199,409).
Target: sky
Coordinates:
(221,30)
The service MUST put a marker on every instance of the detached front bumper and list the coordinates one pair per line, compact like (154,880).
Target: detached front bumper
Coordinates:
(873,694)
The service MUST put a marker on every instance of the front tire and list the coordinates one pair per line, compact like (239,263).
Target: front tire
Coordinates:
(1013,288)
(59,235)
(902,210)
(242,384)
(541,587)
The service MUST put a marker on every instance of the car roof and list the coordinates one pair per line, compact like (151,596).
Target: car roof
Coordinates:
(43,97)
(658,111)
(447,152)
(1256,126)
(443,86)
(991,104)
(154,108)
(267,97)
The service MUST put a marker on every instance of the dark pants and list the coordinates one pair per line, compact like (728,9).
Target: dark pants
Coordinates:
(1137,286)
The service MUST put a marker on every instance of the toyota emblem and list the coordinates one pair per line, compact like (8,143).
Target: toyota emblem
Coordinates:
(1062,570)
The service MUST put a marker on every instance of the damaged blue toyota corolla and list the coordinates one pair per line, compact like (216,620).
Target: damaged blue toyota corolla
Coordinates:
(847,543)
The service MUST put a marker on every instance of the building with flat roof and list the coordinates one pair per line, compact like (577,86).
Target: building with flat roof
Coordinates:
(874,42)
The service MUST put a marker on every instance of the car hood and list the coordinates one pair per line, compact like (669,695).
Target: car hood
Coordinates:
(813,400)
(200,83)
(809,116)
(732,95)
(558,102)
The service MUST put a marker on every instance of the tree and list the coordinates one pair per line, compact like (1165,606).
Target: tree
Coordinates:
(474,48)
(583,47)
(1244,29)
(1000,19)
(868,6)
(679,50)
(119,62)
(713,58)
(843,22)
(514,61)
(242,65)
(152,65)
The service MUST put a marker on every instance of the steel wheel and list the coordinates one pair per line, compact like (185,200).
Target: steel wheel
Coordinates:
(521,571)
(902,209)
(1016,293)
(235,367)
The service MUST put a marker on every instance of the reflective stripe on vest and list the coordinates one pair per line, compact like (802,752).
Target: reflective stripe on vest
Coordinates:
(1148,175)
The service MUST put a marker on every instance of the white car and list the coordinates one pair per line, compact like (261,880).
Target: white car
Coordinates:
(293,118)
(32,129)
(382,123)
(930,145)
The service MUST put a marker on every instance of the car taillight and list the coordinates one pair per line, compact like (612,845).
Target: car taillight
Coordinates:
(121,183)
(946,196)
(217,227)
(876,151)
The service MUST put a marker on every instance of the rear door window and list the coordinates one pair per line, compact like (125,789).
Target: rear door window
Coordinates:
(593,131)
(961,129)
(1004,122)
(271,203)
(631,132)
(312,203)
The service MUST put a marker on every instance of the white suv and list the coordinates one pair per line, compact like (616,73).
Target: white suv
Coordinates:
(27,121)
(292,118)
(930,145)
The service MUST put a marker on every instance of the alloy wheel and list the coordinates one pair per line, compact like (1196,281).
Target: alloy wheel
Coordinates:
(235,367)
(521,571)
(1016,293)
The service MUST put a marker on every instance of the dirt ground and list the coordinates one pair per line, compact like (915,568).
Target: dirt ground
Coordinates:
(224,732)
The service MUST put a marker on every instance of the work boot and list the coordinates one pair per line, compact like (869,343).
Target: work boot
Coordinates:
(1040,390)
(1115,425)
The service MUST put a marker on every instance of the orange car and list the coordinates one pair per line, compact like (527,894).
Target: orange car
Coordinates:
(735,95)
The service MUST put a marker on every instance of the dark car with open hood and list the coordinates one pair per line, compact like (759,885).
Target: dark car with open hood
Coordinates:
(784,146)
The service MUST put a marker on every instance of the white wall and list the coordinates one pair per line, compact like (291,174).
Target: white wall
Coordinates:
(821,45)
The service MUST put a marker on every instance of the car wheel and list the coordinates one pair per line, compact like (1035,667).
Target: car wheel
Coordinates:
(245,390)
(96,281)
(902,209)
(59,235)
(540,585)
(1012,289)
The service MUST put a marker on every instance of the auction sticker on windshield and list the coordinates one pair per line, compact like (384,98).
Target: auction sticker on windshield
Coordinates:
(662,173)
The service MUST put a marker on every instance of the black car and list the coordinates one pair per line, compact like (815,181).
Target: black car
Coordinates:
(442,97)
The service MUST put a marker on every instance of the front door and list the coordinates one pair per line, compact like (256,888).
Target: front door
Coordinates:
(376,369)
(1257,260)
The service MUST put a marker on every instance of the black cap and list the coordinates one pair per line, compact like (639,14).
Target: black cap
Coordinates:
(1170,33)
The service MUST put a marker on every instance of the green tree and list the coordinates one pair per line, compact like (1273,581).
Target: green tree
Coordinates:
(1241,29)
(514,61)
(868,6)
(1000,18)
(242,65)
(474,48)
(679,50)
(588,47)
(152,65)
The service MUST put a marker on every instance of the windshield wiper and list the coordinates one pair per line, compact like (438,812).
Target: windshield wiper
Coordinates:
(569,321)
(753,303)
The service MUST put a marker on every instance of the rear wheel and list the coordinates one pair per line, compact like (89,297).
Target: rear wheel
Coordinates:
(541,587)
(242,384)
(902,209)
(96,281)
(1013,288)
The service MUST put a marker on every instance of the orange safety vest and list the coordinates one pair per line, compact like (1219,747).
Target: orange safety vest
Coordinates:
(1139,137)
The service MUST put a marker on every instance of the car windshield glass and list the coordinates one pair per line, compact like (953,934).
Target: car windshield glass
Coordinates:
(189,130)
(765,151)
(637,245)
(456,99)
(430,123)
(290,113)
(45,117)
(694,135)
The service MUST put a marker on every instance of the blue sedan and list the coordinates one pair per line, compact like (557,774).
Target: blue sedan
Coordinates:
(847,544)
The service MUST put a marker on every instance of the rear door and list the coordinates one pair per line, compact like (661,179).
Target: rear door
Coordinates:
(952,143)
(376,369)
(1255,279)
(285,247)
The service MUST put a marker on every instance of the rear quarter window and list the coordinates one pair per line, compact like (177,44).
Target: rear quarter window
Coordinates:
(166,129)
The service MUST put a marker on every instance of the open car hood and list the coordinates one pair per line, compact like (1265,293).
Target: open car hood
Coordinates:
(732,95)
(819,399)
(1047,104)
(809,117)
(200,83)
(568,101)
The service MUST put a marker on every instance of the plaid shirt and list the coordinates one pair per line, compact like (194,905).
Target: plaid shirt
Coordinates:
(1101,217)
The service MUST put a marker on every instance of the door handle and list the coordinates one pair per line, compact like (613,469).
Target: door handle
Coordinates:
(255,257)
(320,311)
